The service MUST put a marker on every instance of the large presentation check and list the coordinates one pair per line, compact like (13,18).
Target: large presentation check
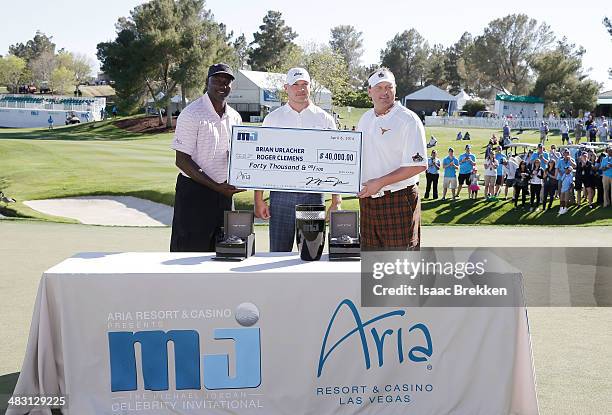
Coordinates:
(295,160)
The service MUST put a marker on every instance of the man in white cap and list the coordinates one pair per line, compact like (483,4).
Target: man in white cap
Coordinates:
(298,112)
(393,157)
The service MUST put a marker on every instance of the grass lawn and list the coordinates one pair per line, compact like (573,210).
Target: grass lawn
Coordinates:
(103,159)
(349,118)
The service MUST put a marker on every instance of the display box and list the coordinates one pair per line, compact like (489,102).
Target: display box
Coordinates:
(344,239)
(238,241)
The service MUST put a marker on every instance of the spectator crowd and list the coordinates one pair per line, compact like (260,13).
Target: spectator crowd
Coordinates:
(536,179)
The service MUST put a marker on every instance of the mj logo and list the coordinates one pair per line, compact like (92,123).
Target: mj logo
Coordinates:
(247,136)
(154,361)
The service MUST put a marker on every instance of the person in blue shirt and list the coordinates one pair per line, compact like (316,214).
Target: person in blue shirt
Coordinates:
(554,154)
(432,174)
(566,180)
(501,161)
(562,165)
(574,153)
(467,161)
(540,154)
(606,169)
(50,121)
(450,165)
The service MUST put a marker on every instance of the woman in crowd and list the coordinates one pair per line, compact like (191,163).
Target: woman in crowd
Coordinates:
(585,177)
(490,166)
(488,150)
(550,183)
(493,140)
(528,158)
(521,180)
(535,184)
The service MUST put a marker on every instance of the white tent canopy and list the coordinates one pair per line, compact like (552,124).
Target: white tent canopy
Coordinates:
(265,80)
(430,93)
(461,98)
(605,98)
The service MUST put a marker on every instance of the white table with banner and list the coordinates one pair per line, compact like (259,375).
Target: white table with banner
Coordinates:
(180,333)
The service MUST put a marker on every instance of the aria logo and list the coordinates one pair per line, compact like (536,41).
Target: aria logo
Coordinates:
(413,340)
(247,136)
(187,359)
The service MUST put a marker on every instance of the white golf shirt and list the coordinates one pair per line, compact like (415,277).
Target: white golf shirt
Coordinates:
(311,117)
(205,136)
(391,141)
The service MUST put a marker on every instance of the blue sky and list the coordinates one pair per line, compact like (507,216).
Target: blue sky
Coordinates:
(79,26)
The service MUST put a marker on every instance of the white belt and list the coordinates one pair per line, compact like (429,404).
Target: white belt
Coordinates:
(386,192)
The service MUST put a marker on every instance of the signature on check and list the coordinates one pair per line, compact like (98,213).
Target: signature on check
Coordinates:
(317,181)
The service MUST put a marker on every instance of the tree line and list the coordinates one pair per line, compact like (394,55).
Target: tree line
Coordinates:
(164,47)
(36,63)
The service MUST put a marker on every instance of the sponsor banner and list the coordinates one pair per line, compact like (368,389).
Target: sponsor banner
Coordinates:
(295,160)
(181,334)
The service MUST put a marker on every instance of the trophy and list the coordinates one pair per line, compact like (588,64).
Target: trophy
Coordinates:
(344,242)
(310,231)
(238,240)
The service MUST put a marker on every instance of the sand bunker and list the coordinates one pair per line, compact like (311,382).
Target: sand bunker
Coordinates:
(106,210)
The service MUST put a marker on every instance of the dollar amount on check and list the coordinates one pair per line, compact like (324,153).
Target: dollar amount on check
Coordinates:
(295,160)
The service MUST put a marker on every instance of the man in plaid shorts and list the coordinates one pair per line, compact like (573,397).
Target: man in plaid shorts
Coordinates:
(299,112)
(393,156)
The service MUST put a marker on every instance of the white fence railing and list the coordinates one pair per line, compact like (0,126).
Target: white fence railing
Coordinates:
(52,103)
(498,123)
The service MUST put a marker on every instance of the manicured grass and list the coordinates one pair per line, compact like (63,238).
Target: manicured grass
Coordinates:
(103,159)
(100,130)
(349,119)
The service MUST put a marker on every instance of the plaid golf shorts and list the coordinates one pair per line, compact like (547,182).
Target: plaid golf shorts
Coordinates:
(392,221)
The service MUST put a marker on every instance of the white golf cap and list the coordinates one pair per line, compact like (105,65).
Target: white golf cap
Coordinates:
(381,75)
(297,74)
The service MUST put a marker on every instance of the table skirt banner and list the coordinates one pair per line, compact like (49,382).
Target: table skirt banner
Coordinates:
(181,334)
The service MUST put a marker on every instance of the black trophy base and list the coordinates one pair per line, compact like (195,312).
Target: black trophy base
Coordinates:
(236,252)
(344,252)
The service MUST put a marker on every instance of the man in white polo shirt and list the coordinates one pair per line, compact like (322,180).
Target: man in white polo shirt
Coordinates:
(298,112)
(393,157)
(201,142)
